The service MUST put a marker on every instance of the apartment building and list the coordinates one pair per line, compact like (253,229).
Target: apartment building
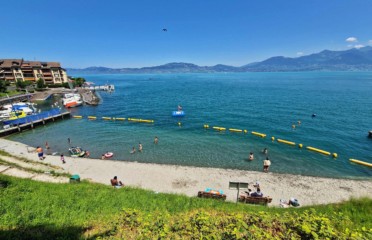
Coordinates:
(18,69)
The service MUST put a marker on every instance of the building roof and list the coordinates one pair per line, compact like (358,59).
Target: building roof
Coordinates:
(7,63)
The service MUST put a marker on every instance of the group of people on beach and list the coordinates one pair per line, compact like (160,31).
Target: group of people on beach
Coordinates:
(266,162)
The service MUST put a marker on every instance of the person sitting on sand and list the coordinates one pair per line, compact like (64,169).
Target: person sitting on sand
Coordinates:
(258,193)
(266,164)
(103,157)
(251,157)
(116,183)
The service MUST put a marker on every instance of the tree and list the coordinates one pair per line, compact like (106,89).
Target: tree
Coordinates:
(3,87)
(40,83)
(78,81)
(21,84)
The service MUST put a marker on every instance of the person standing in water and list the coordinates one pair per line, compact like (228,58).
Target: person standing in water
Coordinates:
(251,157)
(140,147)
(156,140)
(266,164)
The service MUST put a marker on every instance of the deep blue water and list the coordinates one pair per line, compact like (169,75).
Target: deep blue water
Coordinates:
(264,102)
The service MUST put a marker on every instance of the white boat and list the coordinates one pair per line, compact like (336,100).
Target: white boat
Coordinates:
(72,100)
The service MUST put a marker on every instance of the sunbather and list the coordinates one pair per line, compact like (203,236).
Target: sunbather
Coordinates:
(115,183)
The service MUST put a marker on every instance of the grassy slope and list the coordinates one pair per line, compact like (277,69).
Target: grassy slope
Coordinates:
(29,208)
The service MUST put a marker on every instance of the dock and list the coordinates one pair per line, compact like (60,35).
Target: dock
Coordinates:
(34,121)
(101,88)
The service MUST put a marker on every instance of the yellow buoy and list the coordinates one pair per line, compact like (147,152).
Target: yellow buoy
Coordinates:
(334,155)
(106,118)
(206,126)
(121,119)
(361,162)
(272,139)
(179,123)
(300,145)
(76,116)
(318,150)
(245,131)
(286,142)
(219,128)
(259,134)
(235,130)
(92,117)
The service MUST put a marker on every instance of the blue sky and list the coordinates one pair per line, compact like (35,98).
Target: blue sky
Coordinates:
(120,33)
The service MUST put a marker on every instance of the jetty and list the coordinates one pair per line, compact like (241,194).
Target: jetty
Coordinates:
(101,87)
(33,121)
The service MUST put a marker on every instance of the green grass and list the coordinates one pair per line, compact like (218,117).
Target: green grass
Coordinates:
(34,210)
(9,93)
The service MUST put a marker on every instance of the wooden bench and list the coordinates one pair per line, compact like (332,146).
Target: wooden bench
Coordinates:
(212,194)
(255,200)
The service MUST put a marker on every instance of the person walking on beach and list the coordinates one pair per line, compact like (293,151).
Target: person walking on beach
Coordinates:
(251,157)
(266,164)
(156,140)
(40,153)
(63,159)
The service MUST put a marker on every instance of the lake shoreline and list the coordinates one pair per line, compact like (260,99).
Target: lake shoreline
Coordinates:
(189,180)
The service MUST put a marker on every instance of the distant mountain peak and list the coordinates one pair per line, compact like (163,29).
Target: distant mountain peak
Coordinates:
(355,59)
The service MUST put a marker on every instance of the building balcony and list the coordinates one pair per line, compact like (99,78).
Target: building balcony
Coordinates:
(29,78)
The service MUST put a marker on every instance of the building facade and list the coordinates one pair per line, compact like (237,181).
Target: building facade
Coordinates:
(18,69)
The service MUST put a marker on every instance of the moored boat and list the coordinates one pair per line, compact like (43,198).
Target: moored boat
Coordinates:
(76,152)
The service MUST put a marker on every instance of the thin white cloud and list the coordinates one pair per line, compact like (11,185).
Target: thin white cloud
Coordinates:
(359,46)
(299,53)
(351,39)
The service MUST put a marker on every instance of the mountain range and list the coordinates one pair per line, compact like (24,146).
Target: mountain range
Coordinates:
(348,60)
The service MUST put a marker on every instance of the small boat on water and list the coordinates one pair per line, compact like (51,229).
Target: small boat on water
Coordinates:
(76,152)
(72,100)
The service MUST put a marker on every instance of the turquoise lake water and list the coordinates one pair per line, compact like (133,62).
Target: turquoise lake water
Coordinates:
(263,102)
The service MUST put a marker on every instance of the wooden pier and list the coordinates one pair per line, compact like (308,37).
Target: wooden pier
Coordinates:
(30,125)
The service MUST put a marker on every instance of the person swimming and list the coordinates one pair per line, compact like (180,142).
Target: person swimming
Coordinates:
(314,115)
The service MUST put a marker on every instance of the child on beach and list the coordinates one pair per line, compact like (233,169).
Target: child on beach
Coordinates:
(63,159)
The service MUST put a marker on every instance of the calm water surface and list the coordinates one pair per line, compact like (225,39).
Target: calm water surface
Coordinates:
(264,102)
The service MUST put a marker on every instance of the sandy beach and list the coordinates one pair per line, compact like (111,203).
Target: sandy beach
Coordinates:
(189,180)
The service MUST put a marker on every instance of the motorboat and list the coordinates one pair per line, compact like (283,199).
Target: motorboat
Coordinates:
(72,100)
(7,109)
(76,152)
